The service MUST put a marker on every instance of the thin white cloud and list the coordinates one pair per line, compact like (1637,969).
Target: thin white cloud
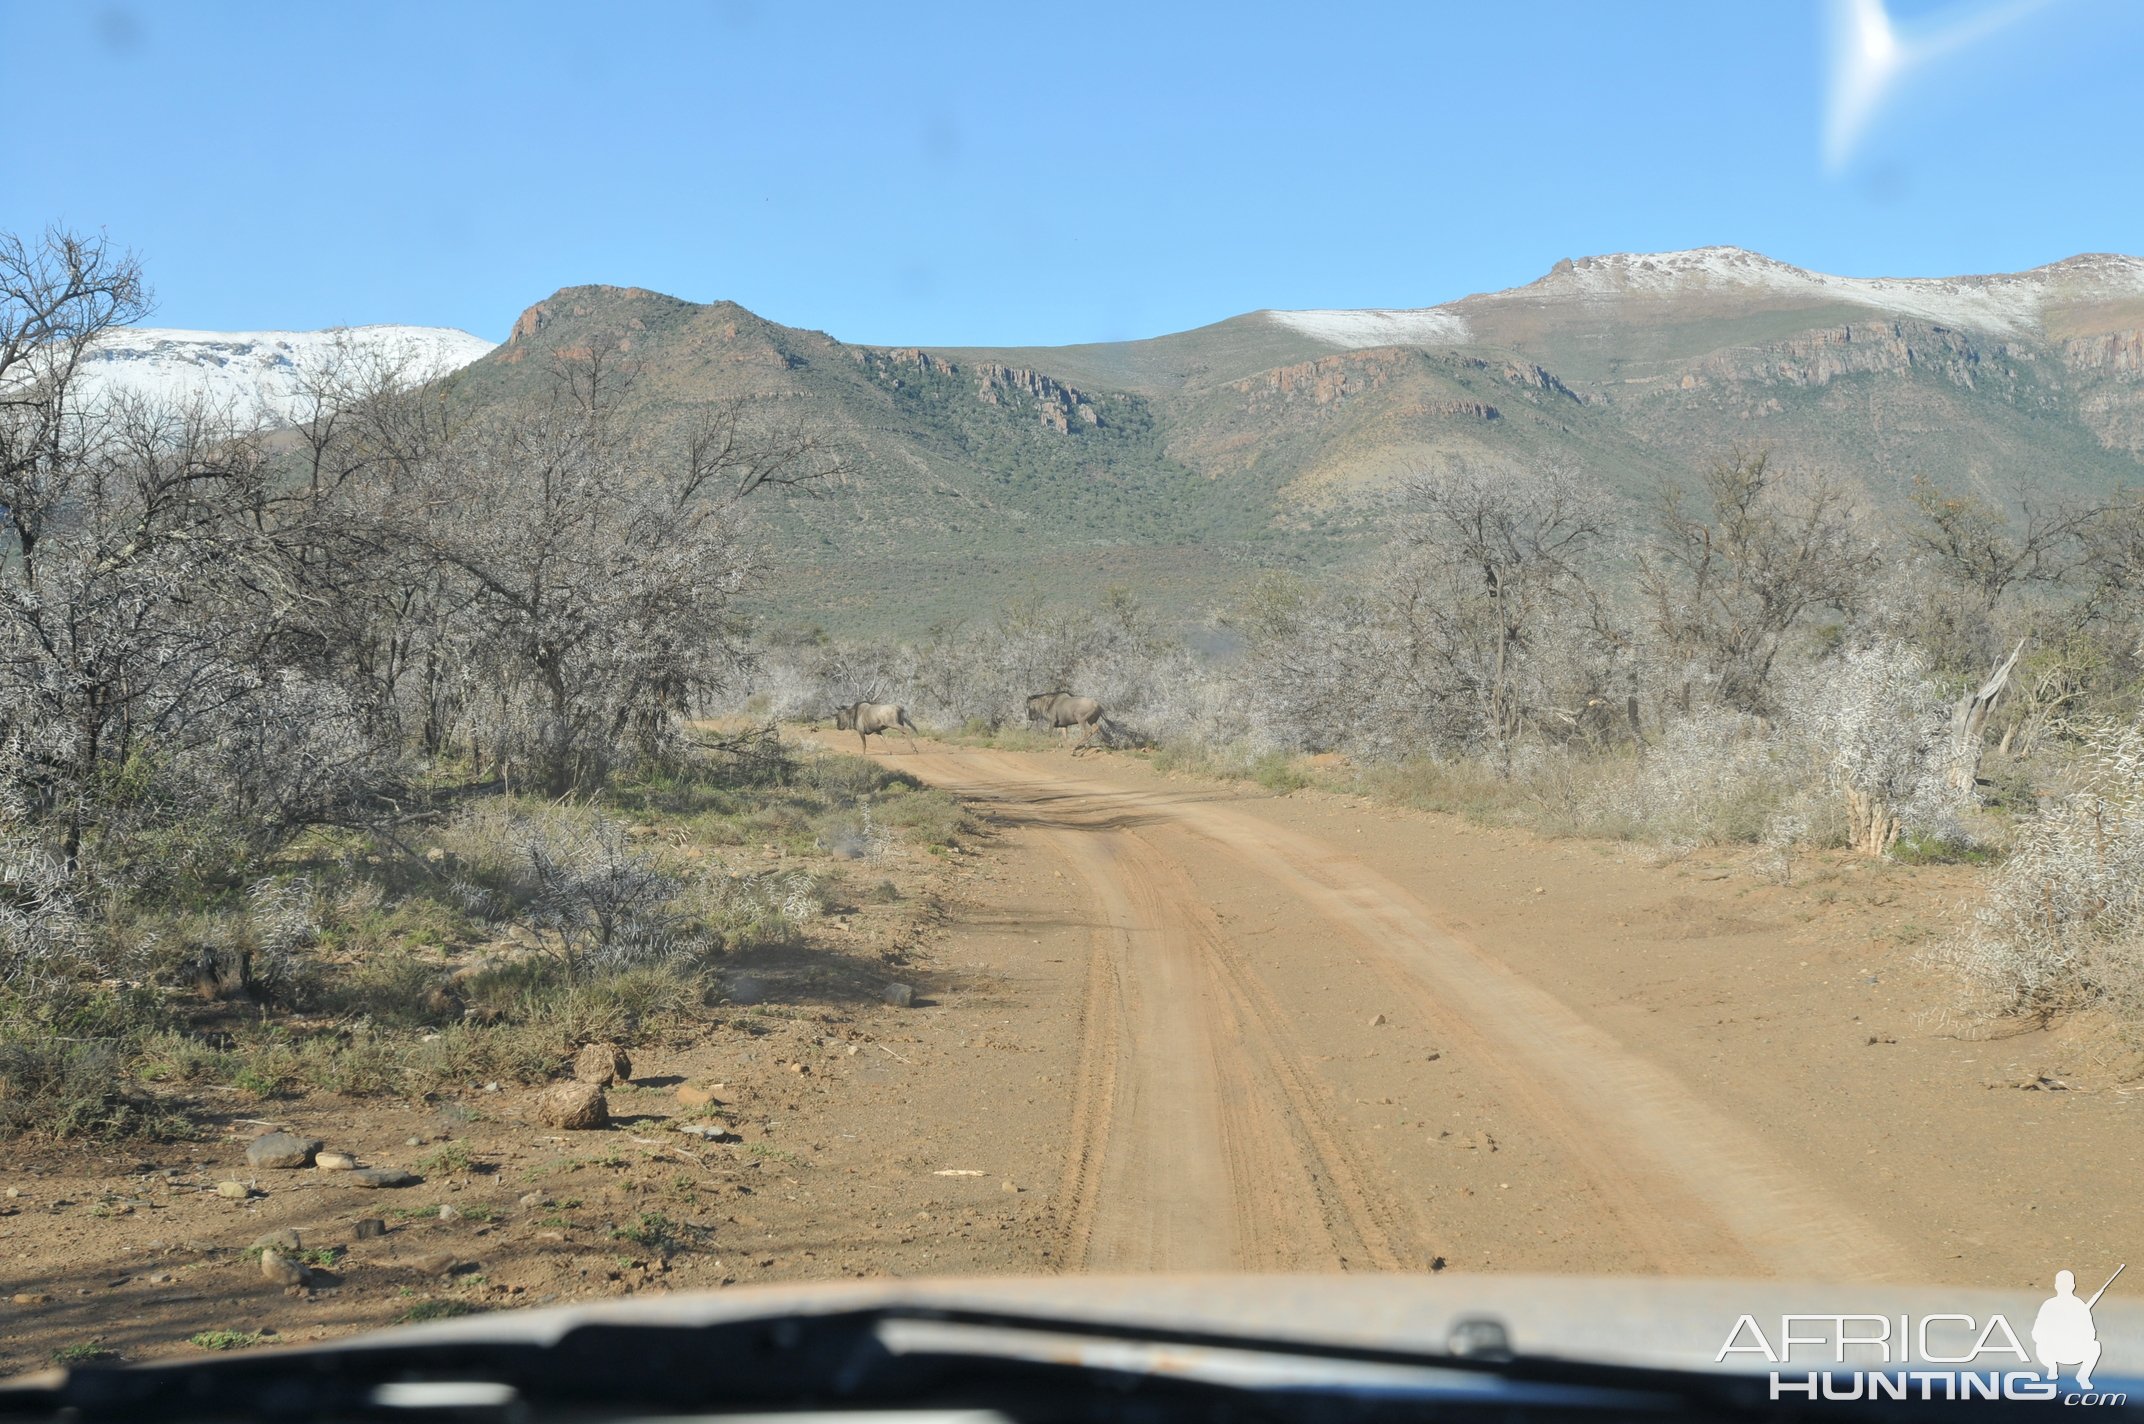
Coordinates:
(1871,53)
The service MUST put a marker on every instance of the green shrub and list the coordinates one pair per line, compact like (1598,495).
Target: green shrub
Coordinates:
(226,1339)
(89,1352)
(56,1086)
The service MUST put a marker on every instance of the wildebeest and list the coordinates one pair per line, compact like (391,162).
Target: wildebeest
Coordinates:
(1061,709)
(864,718)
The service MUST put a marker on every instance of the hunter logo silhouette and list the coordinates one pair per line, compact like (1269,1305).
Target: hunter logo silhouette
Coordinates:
(2062,1333)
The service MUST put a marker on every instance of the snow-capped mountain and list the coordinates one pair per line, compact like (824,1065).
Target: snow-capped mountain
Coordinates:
(1720,279)
(264,369)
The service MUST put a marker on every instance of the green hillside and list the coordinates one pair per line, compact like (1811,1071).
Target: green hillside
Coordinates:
(1185,465)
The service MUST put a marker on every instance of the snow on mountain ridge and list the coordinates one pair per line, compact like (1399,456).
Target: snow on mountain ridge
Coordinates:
(2007,304)
(264,369)
(2010,304)
(1352,330)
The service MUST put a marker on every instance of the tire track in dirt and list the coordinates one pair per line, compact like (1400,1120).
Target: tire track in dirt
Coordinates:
(1196,1139)
(1652,1146)
(1362,1223)
(1163,1195)
(1690,1187)
(1093,1103)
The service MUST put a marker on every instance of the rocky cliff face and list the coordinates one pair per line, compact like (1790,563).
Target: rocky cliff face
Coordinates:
(2117,353)
(1057,405)
(1817,358)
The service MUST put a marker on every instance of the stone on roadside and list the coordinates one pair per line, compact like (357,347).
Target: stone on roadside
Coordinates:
(382,1177)
(1377,1021)
(901,996)
(282,1270)
(710,1131)
(233,1191)
(697,1095)
(435,1265)
(574,1107)
(370,1228)
(281,1149)
(534,1199)
(334,1161)
(602,1064)
(448,1213)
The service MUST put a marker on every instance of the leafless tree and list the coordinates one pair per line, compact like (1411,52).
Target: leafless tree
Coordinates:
(593,575)
(1978,548)
(1498,568)
(1731,580)
(58,295)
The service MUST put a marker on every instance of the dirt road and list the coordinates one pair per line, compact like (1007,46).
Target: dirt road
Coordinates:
(1166,1024)
(1291,1056)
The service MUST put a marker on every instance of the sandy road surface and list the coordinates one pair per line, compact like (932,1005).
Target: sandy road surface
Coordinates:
(1162,1023)
(1254,986)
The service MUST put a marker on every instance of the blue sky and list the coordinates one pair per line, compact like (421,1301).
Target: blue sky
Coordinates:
(961,174)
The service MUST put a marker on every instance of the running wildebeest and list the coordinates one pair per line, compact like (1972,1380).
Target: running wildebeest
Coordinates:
(864,718)
(1061,710)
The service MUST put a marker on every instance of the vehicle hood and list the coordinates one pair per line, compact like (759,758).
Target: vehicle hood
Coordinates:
(1680,1324)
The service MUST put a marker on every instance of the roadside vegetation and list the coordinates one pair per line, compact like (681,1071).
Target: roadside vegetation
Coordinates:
(407,748)
(1760,661)
(363,757)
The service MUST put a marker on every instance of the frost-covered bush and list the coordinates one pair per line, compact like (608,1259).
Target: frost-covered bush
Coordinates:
(600,903)
(2063,923)
(41,922)
(285,923)
(1713,774)
(1878,729)
(767,905)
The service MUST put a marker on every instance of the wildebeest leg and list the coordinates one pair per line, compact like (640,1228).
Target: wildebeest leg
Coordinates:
(863,744)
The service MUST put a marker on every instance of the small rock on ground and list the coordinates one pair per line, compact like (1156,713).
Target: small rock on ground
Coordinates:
(233,1191)
(371,1228)
(382,1177)
(712,1131)
(901,996)
(602,1064)
(697,1095)
(281,1149)
(334,1161)
(283,1271)
(574,1107)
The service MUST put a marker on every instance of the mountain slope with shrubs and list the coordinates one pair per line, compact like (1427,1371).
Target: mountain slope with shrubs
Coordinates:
(1183,466)
(1756,662)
